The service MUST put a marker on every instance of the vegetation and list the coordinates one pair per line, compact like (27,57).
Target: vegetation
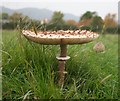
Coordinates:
(87,15)
(89,21)
(30,70)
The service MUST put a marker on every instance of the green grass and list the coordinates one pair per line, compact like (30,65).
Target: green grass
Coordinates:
(29,70)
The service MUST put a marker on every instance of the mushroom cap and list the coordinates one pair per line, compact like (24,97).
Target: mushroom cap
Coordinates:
(60,37)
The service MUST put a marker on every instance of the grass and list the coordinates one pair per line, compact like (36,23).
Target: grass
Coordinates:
(29,70)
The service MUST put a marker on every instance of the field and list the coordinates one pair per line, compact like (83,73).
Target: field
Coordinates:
(29,70)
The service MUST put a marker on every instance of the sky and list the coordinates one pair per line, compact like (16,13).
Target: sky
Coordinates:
(76,7)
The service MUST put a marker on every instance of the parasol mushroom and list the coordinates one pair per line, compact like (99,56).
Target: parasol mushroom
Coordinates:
(99,47)
(62,38)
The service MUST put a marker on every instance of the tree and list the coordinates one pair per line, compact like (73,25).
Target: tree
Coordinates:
(15,18)
(5,21)
(57,17)
(4,16)
(97,23)
(86,19)
(110,21)
(71,22)
(85,22)
(57,21)
(91,21)
(87,15)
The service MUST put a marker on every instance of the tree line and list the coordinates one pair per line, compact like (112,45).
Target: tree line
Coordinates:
(88,21)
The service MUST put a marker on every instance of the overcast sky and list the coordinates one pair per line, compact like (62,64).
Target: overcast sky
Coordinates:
(76,7)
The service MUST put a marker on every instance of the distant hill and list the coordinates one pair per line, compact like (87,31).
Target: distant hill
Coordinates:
(38,14)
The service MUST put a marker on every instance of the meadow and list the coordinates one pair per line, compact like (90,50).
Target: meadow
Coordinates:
(30,70)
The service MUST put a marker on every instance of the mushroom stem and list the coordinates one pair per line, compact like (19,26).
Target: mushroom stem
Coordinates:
(61,73)
(63,49)
(61,65)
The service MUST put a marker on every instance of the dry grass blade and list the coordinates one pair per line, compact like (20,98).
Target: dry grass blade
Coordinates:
(105,78)
(27,94)
(34,28)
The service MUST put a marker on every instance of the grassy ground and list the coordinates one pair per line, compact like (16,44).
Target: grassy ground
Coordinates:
(30,70)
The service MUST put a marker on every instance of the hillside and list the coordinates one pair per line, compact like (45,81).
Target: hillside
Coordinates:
(36,13)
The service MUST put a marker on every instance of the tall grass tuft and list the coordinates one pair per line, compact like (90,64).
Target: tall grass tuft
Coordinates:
(30,70)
